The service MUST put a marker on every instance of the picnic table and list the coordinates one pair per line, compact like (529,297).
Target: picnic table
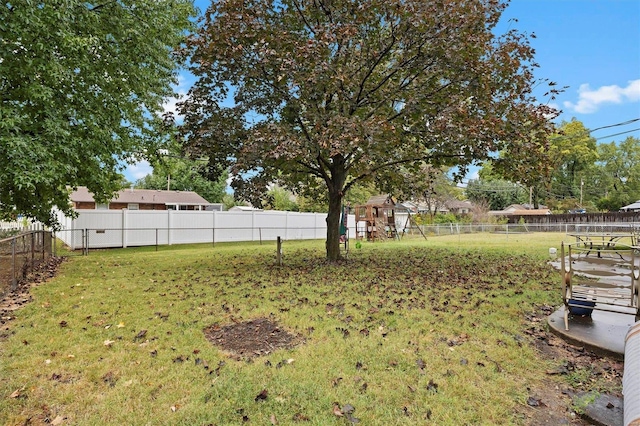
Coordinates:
(598,241)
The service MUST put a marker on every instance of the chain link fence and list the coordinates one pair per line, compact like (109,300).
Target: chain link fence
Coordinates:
(20,255)
(518,228)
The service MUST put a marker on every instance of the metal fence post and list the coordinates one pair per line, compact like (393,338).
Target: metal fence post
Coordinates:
(14,281)
(33,242)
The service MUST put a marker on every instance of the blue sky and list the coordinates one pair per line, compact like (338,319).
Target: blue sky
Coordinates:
(591,46)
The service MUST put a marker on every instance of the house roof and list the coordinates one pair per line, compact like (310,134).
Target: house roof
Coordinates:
(245,209)
(531,212)
(521,212)
(143,196)
(456,204)
(633,206)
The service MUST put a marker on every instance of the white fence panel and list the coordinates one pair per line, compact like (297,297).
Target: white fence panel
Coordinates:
(145,228)
(299,226)
(269,225)
(123,228)
(233,226)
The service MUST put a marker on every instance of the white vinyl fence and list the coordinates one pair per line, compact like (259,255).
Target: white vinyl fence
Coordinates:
(21,225)
(125,228)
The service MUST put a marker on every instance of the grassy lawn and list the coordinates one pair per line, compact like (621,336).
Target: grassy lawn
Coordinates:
(410,332)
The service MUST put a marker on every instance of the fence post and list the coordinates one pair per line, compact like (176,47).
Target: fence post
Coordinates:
(14,281)
(33,248)
(124,228)
(169,227)
(156,239)
(279,252)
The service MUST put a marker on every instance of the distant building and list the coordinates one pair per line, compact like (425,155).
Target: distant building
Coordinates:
(634,207)
(244,209)
(459,207)
(143,199)
(521,210)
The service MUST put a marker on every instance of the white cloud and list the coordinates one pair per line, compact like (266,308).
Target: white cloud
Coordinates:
(138,170)
(589,100)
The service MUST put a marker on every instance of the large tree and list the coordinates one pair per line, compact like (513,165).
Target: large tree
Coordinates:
(347,91)
(614,181)
(572,151)
(82,86)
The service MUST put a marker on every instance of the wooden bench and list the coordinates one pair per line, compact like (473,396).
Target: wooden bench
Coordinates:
(604,277)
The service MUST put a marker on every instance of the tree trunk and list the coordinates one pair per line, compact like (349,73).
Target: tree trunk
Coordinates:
(333,225)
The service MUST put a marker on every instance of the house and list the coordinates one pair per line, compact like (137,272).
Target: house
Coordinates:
(635,207)
(244,209)
(143,199)
(459,207)
(521,210)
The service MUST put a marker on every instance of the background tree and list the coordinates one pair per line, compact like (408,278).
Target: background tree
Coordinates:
(615,179)
(572,151)
(493,191)
(81,88)
(341,92)
(177,173)
(431,186)
(281,199)
(317,200)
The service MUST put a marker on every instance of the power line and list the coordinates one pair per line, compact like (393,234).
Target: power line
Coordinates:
(617,134)
(624,123)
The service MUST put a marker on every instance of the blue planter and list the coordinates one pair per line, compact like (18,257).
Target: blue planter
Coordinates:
(580,310)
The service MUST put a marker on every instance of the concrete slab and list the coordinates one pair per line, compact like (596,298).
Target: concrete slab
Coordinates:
(602,332)
(600,410)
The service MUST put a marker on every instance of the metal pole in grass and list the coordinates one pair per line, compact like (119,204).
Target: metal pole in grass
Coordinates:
(156,239)
(33,248)
(14,282)
(213,241)
(260,233)
(279,252)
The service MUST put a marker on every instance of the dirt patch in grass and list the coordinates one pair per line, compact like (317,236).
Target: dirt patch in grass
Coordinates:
(251,339)
(583,371)
(14,300)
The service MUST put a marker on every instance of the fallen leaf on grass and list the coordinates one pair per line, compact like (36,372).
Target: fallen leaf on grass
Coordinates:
(273,419)
(299,417)
(16,393)
(261,396)
(120,325)
(337,411)
(534,402)
(108,343)
(57,421)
